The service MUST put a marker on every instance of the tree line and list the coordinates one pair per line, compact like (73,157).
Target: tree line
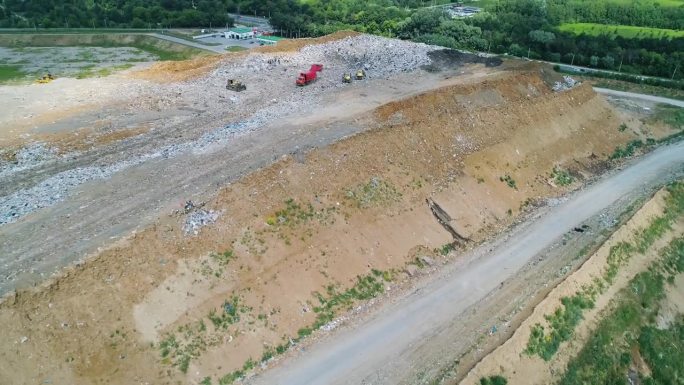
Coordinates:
(112,13)
(527,28)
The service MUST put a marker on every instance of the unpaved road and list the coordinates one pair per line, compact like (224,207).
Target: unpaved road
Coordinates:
(632,95)
(380,350)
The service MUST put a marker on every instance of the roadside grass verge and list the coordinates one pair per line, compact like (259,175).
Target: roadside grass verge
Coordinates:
(235,48)
(671,115)
(628,332)
(545,340)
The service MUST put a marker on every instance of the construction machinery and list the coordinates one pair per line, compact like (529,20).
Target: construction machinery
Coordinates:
(46,79)
(235,85)
(310,76)
(346,78)
(360,74)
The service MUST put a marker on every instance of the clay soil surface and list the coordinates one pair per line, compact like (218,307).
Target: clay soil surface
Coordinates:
(300,192)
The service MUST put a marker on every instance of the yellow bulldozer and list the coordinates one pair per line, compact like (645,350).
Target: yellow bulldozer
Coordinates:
(346,78)
(360,74)
(235,85)
(45,79)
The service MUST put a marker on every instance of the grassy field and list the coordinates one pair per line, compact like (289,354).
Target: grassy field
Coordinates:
(164,50)
(625,31)
(9,73)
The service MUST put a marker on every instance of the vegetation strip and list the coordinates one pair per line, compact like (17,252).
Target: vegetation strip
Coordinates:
(628,335)
(545,340)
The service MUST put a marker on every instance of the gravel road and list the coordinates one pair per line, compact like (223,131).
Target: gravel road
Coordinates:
(380,350)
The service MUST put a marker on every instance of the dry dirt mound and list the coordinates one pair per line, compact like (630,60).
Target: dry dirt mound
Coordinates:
(482,152)
(173,71)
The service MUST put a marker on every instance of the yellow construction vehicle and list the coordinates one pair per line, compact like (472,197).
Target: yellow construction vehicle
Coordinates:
(46,79)
(346,78)
(235,85)
(360,74)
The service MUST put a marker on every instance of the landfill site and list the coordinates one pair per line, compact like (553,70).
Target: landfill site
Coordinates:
(163,225)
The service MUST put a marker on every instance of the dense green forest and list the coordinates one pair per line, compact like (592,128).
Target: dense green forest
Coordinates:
(112,13)
(527,28)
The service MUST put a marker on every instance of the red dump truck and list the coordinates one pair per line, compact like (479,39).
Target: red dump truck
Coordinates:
(310,76)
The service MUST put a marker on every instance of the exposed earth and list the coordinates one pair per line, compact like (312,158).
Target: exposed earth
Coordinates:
(158,228)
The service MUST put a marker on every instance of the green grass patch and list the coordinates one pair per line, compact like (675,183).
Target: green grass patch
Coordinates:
(89,71)
(562,177)
(334,301)
(179,349)
(228,314)
(493,380)
(626,31)
(376,192)
(509,181)
(562,323)
(10,72)
(235,48)
(627,151)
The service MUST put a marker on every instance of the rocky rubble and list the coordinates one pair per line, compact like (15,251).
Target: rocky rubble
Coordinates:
(567,83)
(198,219)
(263,74)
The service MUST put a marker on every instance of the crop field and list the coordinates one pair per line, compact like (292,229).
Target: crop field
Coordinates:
(662,3)
(626,31)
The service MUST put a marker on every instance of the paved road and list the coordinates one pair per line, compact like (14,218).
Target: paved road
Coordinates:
(361,355)
(215,49)
(632,95)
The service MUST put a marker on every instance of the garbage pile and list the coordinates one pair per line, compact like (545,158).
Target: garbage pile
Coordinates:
(566,84)
(197,218)
(380,56)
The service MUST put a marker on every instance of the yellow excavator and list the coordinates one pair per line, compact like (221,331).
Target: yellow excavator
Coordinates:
(346,78)
(45,79)
(360,74)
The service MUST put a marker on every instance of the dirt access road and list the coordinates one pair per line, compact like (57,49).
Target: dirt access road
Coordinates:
(632,95)
(381,350)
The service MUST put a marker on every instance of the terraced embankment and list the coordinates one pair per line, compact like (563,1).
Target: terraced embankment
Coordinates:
(576,334)
(302,241)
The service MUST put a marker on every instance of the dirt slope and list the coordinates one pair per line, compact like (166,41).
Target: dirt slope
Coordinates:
(482,152)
